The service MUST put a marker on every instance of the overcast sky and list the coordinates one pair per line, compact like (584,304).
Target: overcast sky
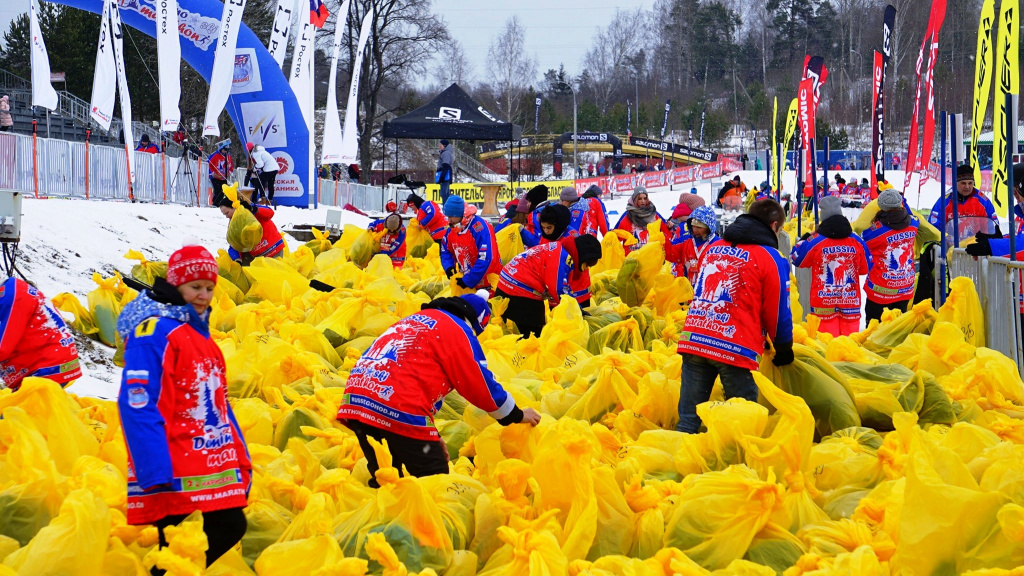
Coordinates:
(557,31)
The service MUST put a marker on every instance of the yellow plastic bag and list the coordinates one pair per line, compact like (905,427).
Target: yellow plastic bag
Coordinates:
(244,230)
(963,309)
(232,270)
(418,240)
(612,253)
(84,323)
(320,242)
(510,242)
(719,514)
(889,335)
(360,244)
(637,274)
(145,271)
(105,307)
(817,381)
(73,543)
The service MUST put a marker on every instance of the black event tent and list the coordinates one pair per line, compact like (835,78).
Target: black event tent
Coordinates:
(454,115)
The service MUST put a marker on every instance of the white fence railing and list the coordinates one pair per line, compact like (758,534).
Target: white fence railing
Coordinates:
(47,167)
(364,197)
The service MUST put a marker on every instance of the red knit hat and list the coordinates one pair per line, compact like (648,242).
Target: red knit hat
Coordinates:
(681,211)
(189,264)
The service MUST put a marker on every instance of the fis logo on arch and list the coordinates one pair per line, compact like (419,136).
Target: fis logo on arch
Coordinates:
(265,124)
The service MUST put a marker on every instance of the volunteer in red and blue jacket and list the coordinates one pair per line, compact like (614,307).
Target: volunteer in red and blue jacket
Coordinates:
(544,272)
(536,199)
(429,215)
(596,221)
(570,198)
(35,341)
(741,295)
(221,166)
(469,245)
(837,258)
(973,208)
(271,245)
(399,383)
(146,146)
(891,242)
(392,243)
(556,223)
(640,212)
(995,245)
(185,448)
(687,244)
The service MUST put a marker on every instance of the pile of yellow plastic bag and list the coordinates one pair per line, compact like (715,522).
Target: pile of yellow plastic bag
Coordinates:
(244,231)
(899,450)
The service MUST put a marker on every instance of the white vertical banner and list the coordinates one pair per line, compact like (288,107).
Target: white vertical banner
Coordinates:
(104,82)
(168,51)
(117,33)
(349,146)
(43,93)
(277,45)
(223,65)
(300,78)
(330,147)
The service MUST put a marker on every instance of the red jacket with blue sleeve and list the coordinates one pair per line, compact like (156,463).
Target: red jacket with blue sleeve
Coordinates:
(185,448)
(221,165)
(432,220)
(974,206)
(540,273)
(640,233)
(34,341)
(271,245)
(391,243)
(474,249)
(740,295)
(836,266)
(401,380)
(892,274)
(596,221)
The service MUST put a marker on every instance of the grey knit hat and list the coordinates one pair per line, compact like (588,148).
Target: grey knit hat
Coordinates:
(830,206)
(890,200)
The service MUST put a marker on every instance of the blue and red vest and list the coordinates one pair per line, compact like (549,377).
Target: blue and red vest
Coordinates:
(474,249)
(35,340)
(540,273)
(432,220)
(391,243)
(836,266)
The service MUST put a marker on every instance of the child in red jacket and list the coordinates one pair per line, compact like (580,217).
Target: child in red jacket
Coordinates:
(35,340)
(185,448)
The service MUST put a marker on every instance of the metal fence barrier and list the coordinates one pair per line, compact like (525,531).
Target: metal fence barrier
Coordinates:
(998,281)
(54,168)
(367,198)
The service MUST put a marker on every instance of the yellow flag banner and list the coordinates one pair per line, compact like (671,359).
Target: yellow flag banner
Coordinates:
(791,118)
(472,194)
(775,144)
(1007,82)
(982,80)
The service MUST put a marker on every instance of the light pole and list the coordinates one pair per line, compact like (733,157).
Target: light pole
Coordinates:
(575,163)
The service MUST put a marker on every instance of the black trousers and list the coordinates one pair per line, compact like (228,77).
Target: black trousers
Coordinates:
(223,528)
(218,190)
(873,310)
(420,457)
(527,313)
(267,180)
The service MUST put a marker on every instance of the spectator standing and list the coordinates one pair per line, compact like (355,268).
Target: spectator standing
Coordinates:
(221,166)
(972,206)
(891,241)
(6,121)
(146,146)
(264,165)
(443,174)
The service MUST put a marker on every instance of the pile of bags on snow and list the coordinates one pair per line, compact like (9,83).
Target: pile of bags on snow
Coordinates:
(897,450)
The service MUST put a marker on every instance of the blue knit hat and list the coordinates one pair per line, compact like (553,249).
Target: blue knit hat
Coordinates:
(454,206)
(483,310)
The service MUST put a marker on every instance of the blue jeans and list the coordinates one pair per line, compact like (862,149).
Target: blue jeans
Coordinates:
(444,192)
(699,375)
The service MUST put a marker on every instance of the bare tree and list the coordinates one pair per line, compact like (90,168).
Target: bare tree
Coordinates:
(453,66)
(512,69)
(405,35)
(612,59)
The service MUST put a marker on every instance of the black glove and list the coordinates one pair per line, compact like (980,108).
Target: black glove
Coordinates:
(783,354)
(981,247)
(805,236)
(449,272)
(999,233)
(461,284)
(987,236)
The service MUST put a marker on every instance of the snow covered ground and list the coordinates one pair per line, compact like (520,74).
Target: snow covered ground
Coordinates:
(65,241)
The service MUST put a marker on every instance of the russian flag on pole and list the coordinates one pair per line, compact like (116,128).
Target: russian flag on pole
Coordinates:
(318,13)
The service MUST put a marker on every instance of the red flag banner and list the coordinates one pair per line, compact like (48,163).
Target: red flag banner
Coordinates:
(939,13)
(877,121)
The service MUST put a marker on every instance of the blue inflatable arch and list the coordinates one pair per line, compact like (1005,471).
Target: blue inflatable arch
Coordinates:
(262,104)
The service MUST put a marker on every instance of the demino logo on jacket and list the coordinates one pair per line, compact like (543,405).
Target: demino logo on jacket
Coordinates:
(216,428)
